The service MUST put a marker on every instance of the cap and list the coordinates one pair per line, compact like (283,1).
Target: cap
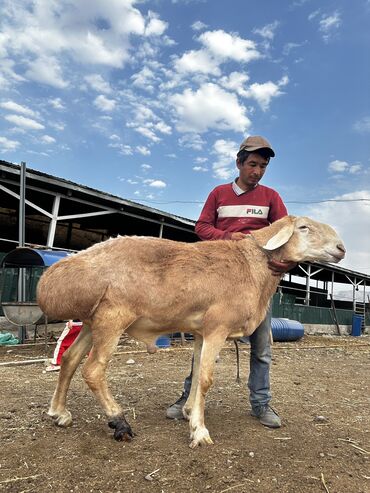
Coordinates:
(255,142)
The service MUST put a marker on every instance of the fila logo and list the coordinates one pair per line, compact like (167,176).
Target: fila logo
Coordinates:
(247,211)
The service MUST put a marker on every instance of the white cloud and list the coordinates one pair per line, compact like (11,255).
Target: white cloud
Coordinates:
(144,79)
(49,35)
(17,108)
(198,61)
(224,164)
(355,168)
(155,26)
(338,166)
(23,122)
(145,167)
(104,104)
(124,149)
(229,46)
(47,70)
(200,168)
(268,31)
(192,141)
(97,83)
(363,125)
(314,14)
(47,139)
(7,145)
(155,183)
(210,107)
(147,123)
(288,47)
(143,150)
(57,104)
(57,125)
(235,82)
(198,26)
(349,219)
(163,128)
(265,92)
(328,23)
(218,47)
(146,132)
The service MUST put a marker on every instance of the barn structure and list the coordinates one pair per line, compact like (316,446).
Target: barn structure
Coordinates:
(62,215)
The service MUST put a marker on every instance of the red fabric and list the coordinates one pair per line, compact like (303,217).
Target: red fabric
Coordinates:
(210,227)
(67,341)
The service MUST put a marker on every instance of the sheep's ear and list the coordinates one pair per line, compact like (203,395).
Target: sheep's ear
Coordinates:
(280,238)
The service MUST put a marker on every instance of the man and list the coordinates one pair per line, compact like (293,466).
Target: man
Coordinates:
(231,212)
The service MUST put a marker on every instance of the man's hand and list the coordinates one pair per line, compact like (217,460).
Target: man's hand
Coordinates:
(278,268)
(237,236)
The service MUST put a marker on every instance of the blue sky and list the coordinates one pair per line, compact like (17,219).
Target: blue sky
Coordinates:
(149,100)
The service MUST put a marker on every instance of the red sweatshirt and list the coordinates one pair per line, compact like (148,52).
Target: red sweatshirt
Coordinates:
(228,209)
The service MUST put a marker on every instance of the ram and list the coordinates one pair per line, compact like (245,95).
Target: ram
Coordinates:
(147,287)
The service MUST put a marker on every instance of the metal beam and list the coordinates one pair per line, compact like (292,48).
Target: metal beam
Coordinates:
(53,222)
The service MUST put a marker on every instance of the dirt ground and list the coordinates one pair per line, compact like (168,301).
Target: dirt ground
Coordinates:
(320,388)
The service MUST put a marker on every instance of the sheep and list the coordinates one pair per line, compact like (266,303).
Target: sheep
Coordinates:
(147,287)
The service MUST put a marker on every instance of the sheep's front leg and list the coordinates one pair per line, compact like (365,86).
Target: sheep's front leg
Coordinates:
(70,361)
(212,345)
(198,342)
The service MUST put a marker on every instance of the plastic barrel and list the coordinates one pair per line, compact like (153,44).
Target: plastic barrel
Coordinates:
(284,329)
(356,325)
(163,342)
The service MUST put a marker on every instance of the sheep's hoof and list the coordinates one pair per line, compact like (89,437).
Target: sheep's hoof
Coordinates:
(122,430)
(186,412)
(63,419)
(200,437)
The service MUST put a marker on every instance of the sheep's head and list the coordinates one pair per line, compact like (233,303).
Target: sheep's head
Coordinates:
(303,239)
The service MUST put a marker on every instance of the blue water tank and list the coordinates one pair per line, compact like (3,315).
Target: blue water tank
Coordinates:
(284,329)
(163,342)
(32,257)
(356,325)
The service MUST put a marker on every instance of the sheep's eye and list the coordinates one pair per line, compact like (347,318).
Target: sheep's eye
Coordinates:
(303,228)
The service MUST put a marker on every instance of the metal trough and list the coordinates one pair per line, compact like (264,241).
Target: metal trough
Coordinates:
(22,313)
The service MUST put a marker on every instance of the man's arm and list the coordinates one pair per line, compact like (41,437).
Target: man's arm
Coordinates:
(277,208)
(205,227)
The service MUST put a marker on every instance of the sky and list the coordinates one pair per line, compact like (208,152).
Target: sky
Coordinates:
(149,100)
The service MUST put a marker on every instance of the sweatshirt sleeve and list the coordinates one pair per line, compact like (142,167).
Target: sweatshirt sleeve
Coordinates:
(277,208)
(205,227)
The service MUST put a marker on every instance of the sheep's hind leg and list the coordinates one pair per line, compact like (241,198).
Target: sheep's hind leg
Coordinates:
(106,331)
(70,361)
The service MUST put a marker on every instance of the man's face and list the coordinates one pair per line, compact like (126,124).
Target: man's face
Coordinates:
(252,170)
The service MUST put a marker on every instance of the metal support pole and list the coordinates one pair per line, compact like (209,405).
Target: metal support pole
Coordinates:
(161,229)
(21,242)
(53,222)
(308,279)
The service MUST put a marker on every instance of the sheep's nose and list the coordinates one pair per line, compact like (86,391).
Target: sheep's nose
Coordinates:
(340,247)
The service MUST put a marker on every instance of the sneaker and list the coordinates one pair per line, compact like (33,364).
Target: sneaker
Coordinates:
(52,368)
(267,416)
(175,410)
